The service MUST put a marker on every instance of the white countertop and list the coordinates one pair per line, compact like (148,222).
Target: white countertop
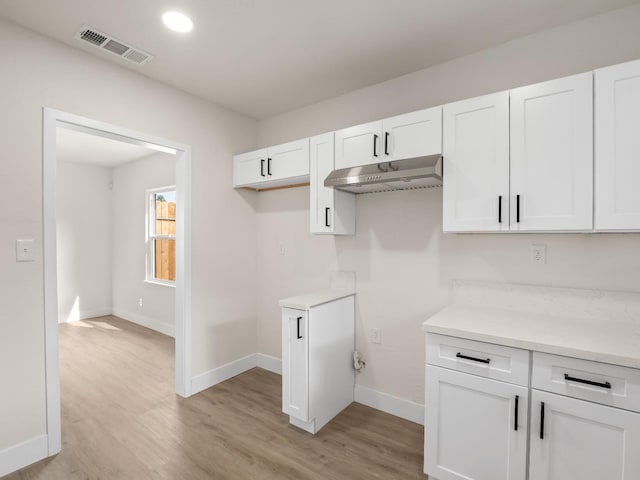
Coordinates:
(593,325)
(305,302)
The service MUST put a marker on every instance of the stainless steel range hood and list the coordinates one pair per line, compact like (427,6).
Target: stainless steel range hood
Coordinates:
(410,173)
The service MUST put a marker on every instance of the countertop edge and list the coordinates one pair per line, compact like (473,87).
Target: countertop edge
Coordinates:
(305,302)
(562,350)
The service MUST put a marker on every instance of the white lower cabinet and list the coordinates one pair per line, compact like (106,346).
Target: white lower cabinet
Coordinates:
(475,428)
(318,378)
(573,439)
(589,429)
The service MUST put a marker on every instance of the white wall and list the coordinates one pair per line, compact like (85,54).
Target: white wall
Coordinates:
(130,183)
(38,72)
(403,263)
(83,222)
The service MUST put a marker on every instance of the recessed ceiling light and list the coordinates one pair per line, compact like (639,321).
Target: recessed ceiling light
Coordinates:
(177,22)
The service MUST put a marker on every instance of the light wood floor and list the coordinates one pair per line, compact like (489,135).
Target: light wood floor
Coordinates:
(122,420)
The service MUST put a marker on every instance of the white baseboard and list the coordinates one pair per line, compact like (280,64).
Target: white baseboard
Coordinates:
(25,453)
(147,322)
(84,314)
(414,412)
(270,363)
(225,372)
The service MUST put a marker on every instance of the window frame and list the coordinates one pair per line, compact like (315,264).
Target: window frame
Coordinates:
(151,236)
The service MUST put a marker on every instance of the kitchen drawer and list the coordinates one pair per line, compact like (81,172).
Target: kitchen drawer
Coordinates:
(488,360)
(593,381)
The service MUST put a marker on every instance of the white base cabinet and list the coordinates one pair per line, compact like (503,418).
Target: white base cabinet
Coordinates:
(476,427)
(318,377)
(575,439)
(574,419)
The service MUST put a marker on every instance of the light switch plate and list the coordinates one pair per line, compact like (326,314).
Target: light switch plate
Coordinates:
(25,250)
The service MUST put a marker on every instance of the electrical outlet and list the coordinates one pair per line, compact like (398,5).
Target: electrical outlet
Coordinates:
(539,254)
(376,335)
(283,248)
(140,302)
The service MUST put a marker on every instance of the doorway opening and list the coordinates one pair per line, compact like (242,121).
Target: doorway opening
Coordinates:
(55,121)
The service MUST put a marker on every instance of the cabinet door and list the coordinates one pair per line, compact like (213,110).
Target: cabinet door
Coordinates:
(321,198)
(617,156)
(470,427)
(359,145)
(582,440)
(476,164)
(412,135)
(295,366)
(288,160)
(331,211)
(249,168)
(552,155)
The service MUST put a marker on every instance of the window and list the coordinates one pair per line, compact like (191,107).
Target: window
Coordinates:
(161,238)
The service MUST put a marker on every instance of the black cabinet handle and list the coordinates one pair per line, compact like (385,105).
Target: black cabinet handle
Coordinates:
(517,208)
(386,143)
(262,168)
(268,166)
(515,420)
(326,217)
(481,360)
(541,420)
(375,145)
(298,321)
(588,382)
(499,208)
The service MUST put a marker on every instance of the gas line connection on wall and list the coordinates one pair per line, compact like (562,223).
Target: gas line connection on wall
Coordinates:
(358,362)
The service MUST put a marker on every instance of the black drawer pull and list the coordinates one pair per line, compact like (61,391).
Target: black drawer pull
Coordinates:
(588,382)
(375,145)
(541,420)
(262,168)
(298,321)
(515,420)
(499,208)
(481,360)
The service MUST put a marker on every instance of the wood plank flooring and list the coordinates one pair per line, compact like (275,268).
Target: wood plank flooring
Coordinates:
(122,420)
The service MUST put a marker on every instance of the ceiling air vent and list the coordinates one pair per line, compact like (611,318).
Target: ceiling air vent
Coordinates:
(112,45)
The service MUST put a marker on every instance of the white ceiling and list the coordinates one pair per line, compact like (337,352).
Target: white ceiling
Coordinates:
(80,147)
(264,57)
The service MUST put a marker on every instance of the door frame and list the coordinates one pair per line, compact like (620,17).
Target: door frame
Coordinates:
(52,119)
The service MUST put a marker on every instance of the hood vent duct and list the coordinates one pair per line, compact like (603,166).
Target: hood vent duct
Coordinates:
(112,45)
(407,174)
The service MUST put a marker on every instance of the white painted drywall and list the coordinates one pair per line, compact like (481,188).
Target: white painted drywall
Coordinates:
(130,183)
(403,263)
(83,223)
(38,72)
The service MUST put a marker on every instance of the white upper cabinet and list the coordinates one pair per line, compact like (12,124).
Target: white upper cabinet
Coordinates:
(331,211)
(278,166)
(552,155)
(475,153)
(359,145)
(410,135)
(617,147)
(249,168)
